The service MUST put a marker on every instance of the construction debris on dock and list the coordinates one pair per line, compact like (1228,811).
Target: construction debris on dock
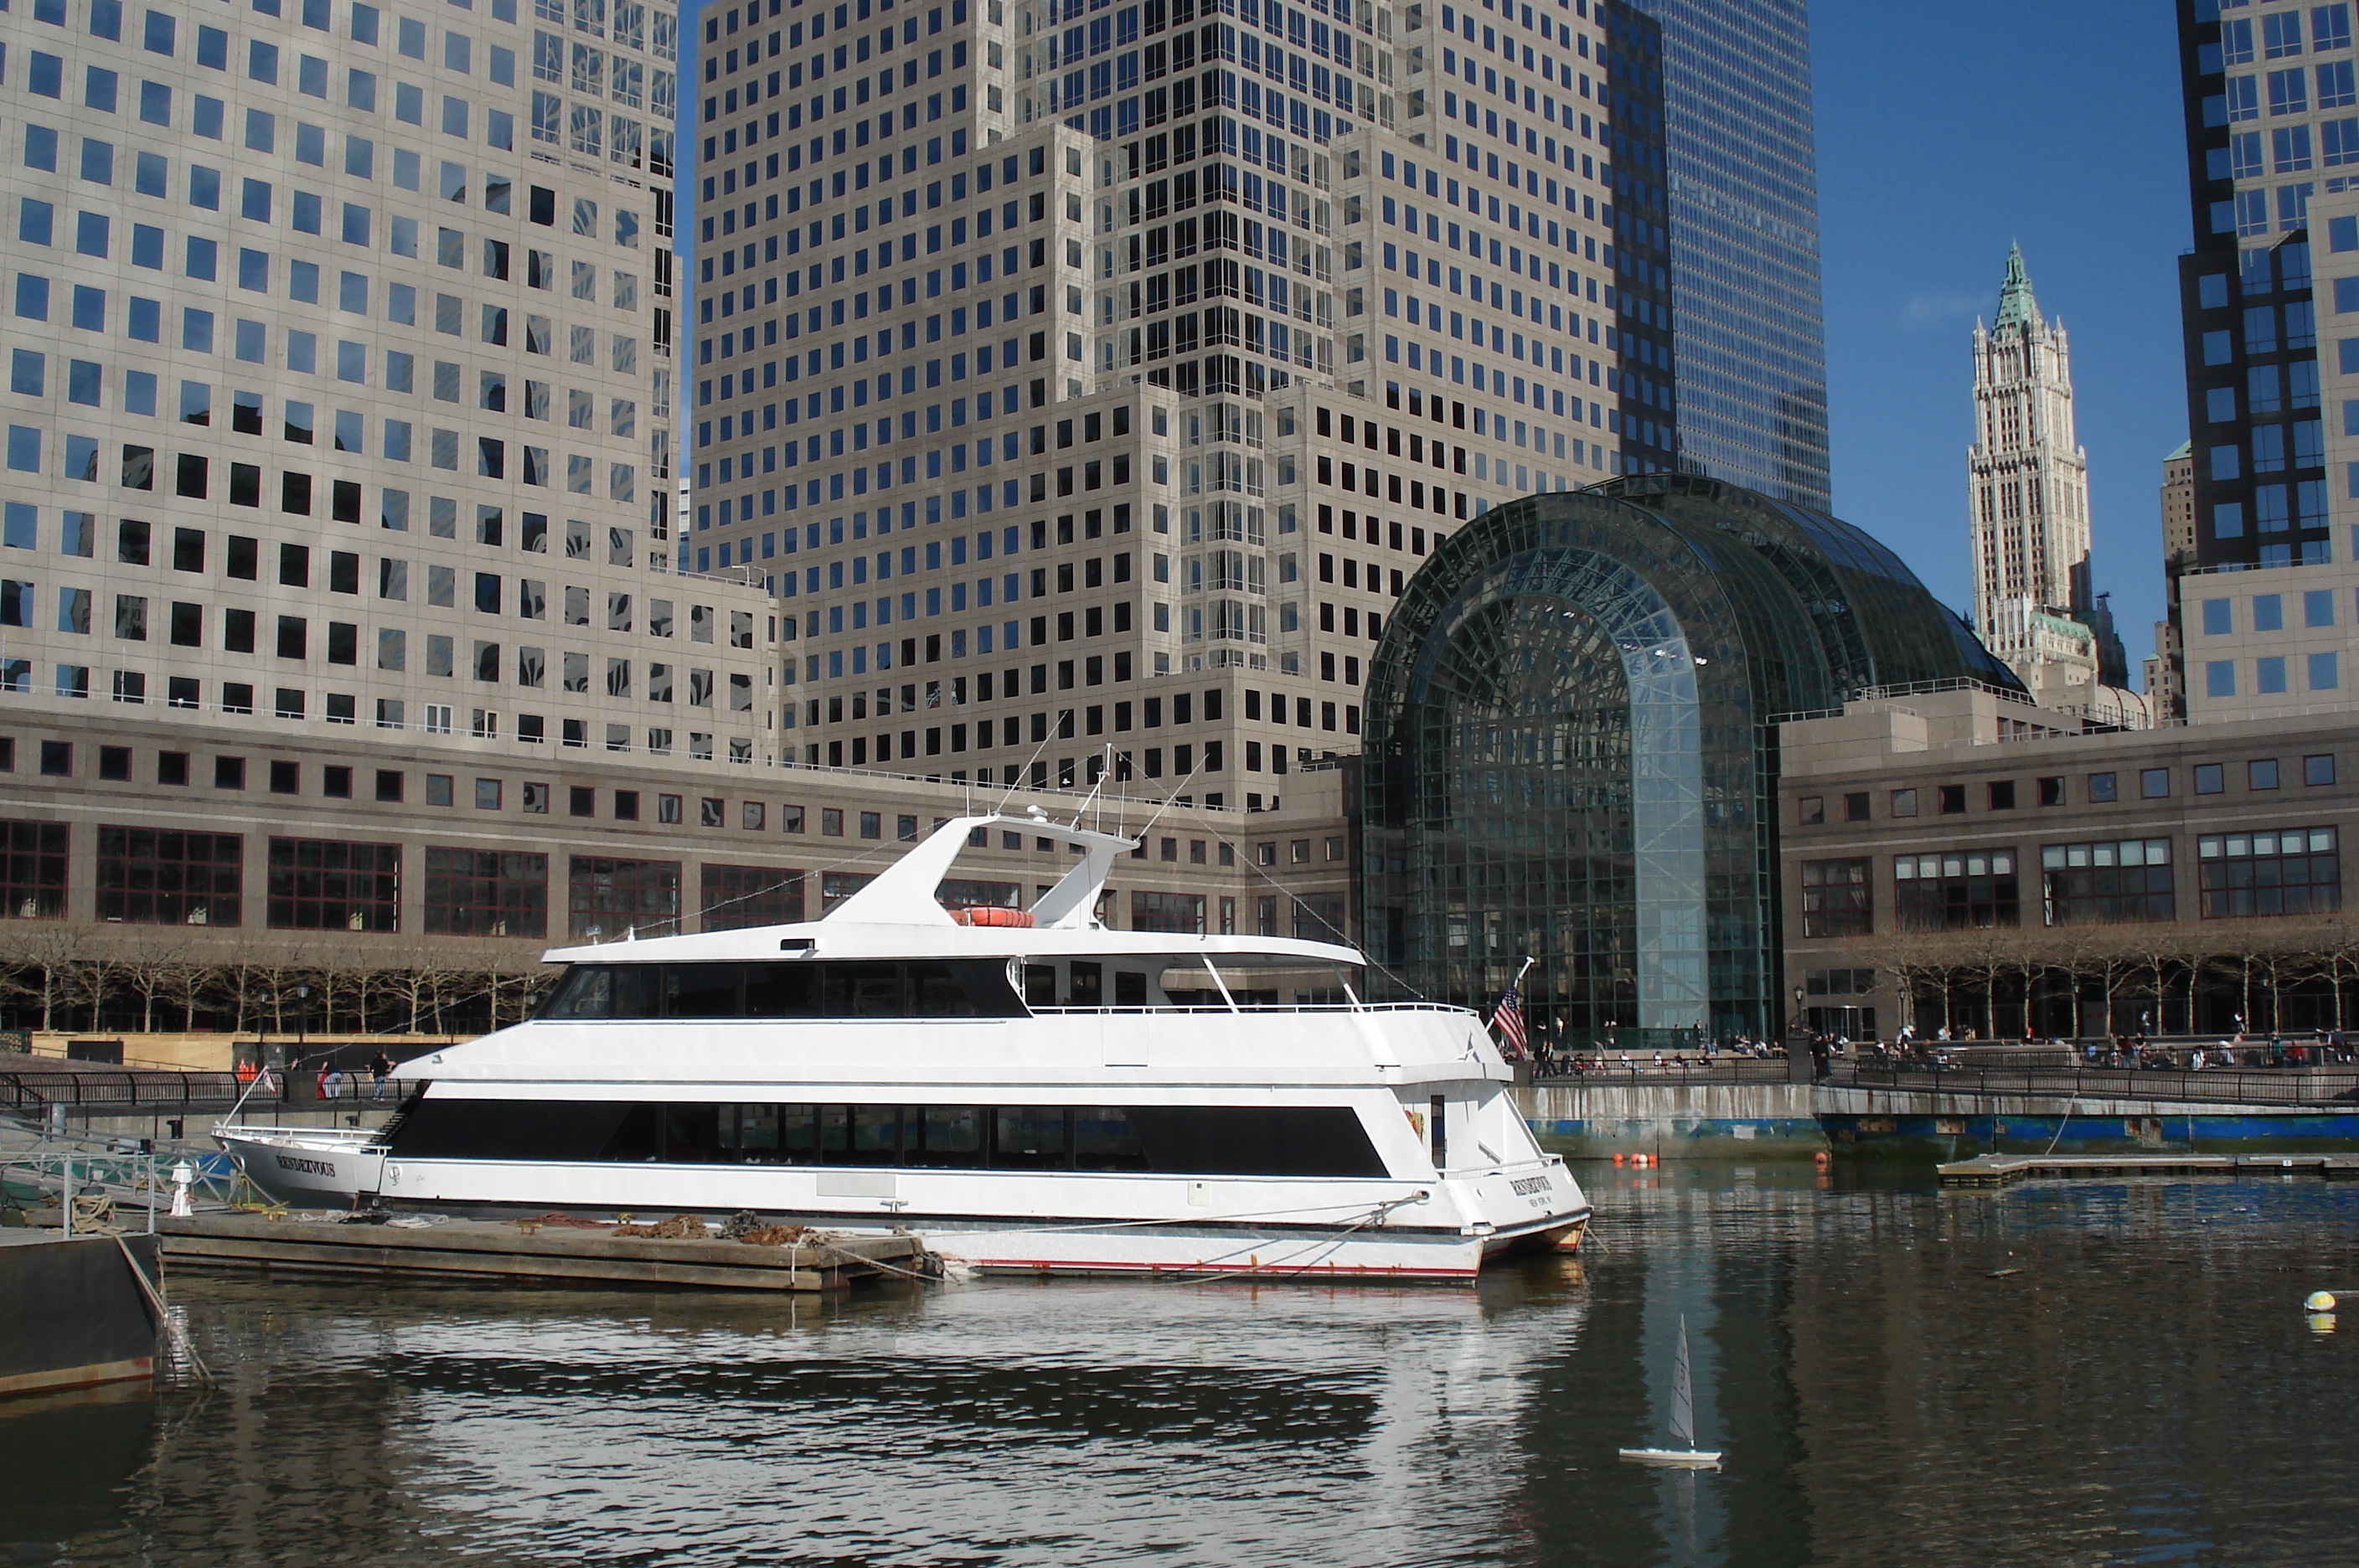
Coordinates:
(2004,1169)
(672,1254)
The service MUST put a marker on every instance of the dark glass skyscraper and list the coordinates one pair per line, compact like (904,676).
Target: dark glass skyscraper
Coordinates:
(1743,157)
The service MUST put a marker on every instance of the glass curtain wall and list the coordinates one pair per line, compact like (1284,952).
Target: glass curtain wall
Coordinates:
(1568,756)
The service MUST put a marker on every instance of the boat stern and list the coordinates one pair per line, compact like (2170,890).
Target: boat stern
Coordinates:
(1528,1208)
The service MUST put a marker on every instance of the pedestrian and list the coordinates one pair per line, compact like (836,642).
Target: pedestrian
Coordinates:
(331,1082)
(380,1068)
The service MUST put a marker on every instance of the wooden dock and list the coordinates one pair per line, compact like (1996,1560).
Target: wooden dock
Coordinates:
(491,1252)
(2004,1169)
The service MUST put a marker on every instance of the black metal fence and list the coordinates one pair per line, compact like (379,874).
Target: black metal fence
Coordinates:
(2332,1086)
(162,1091)
(1672,1070)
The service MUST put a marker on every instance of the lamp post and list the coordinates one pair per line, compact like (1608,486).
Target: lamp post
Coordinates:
(302,1019)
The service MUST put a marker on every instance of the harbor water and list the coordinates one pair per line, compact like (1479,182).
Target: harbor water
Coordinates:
(2092,1372)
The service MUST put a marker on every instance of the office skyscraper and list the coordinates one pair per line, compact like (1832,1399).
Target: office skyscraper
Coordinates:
(2272,117)
(1742,155)
(336,586)
(1093,379)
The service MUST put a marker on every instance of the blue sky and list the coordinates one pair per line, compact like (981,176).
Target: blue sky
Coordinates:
(1945,132)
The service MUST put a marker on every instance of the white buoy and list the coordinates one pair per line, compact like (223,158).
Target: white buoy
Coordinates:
(2319,1301)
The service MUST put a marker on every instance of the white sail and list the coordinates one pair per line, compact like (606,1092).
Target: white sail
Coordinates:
(1682,1393)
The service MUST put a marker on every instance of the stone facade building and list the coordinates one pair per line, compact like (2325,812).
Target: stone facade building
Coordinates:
(342,626)
(2027,498)
(1097,381)
(1964,860)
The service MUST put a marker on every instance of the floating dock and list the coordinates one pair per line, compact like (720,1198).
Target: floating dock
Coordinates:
(491,1252)
(2004,1169)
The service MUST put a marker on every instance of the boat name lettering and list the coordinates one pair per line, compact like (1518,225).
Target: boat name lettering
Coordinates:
(1526,1185)
(313,1167)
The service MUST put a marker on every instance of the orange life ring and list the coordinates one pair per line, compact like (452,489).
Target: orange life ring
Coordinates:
(993,915)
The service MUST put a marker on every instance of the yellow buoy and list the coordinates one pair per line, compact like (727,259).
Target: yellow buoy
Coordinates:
(2319,1301)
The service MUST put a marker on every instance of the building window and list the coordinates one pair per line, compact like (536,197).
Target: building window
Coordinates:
(1812,812)
(327,884)
(151,878)
(1854,808)
(33,874)
(2293,872)
(1971,888)
(737,896)
(2002,794)
(2051,791)
(1181,912)
(612,898)
(486,892)
(1904,802)
(1320,917)
(836,887)
(1839,982)
(1950,799)
(2261,773)
(1835,898)
(2128,879)
(2103,787)
(2153,783)
(2318,770)
(2210,778)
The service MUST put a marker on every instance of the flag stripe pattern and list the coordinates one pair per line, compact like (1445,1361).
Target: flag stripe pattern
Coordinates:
(1508,1019)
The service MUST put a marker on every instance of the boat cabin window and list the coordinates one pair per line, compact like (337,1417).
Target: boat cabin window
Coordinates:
(956,988)
(1194,1140)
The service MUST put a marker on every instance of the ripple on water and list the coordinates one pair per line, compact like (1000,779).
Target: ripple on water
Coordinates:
(2141,1392)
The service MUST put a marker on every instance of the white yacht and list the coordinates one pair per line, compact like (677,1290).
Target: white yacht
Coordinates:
(1028,1090)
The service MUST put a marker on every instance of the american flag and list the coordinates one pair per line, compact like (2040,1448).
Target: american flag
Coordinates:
(1508,1019)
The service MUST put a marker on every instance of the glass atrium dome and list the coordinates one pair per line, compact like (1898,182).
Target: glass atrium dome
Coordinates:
(1568,756)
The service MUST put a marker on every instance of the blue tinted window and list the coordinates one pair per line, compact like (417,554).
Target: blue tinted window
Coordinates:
(2217,617)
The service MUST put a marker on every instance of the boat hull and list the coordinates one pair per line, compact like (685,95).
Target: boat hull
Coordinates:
(997,1222)
(304,1171)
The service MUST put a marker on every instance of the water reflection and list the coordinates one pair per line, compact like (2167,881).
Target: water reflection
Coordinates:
(2144,1388)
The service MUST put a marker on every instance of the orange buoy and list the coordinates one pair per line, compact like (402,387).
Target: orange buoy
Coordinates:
(1617,1159)
(993,915)
(1822,1160)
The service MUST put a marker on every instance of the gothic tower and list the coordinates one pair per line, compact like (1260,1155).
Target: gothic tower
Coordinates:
(2028,498)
